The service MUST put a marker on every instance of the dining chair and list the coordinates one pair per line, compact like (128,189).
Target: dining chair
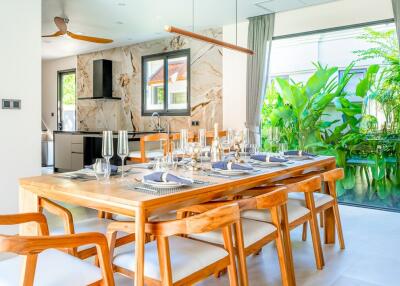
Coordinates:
(210,135)
(144,155)
(40,263)
(297,213)
(175,260)
(93,224)
(255,234)
(325,201)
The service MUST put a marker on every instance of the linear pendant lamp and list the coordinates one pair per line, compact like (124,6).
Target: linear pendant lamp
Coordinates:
(175,30)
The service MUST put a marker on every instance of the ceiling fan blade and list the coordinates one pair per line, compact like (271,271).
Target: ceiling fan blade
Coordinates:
(56,34)
(60,23)
(89,39)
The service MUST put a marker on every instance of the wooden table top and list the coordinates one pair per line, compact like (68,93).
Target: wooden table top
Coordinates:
(117,198)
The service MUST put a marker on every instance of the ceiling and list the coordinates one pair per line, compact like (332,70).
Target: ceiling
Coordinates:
(134,21)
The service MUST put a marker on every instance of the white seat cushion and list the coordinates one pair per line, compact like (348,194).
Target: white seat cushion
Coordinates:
(187,256)
(253,231)
(295,211)
(149,154)
(88,225)
(53,268)
(320,199)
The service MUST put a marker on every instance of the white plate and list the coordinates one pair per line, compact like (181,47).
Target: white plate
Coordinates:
(231,172)
(162,185)
(297,157)
(269,164)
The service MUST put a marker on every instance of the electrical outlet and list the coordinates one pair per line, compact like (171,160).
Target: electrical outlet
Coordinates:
(195,123)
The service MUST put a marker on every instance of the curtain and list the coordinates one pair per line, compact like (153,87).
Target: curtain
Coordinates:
(396,12)
(260,34)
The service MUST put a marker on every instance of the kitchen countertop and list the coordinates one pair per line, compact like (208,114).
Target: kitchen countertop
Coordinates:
(100,132)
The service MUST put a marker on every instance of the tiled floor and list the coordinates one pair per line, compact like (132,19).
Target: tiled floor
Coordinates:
(371,258)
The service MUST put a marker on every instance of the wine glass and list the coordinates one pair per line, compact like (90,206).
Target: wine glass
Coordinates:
(123,148)
(184,140)
(107,151)
(203,144)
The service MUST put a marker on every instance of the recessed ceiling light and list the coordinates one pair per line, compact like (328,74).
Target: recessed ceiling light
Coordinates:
(121,4)
(119,22)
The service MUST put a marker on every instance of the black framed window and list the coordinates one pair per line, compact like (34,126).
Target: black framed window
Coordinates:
(166,83)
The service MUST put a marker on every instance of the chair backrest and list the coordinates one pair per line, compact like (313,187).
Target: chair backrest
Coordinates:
(329,178)
(306,186)
(204,222)
(163,137)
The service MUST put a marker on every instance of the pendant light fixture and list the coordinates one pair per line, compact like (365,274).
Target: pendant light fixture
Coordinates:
(175,30)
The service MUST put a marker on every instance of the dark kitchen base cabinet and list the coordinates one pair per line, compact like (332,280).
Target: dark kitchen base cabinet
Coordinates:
(92,151)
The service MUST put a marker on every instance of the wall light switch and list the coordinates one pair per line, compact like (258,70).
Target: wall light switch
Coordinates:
(11,104)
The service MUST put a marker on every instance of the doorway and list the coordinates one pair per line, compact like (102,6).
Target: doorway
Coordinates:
(66,100)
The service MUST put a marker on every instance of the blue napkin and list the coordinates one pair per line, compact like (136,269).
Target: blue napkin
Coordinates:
(167,177)
(114,169)
(223,165)
(263,158)
(297,153)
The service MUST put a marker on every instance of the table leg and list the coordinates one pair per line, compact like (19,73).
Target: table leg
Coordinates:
(28,203)
(329,226)
(140,237)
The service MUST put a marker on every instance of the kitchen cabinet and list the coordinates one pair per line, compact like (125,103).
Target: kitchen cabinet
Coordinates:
(68,151)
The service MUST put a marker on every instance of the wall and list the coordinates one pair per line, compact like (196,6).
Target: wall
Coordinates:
(338,13)
(49,87)
(206,85)
(20,77)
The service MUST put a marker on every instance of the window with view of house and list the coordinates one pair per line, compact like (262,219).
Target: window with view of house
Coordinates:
(166,83)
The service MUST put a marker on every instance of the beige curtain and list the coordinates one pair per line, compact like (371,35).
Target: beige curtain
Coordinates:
(261,29)
(396,12)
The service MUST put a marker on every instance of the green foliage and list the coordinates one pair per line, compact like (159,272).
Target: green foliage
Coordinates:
(68,89)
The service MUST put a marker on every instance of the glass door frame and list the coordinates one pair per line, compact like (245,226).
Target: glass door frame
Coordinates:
(59,96)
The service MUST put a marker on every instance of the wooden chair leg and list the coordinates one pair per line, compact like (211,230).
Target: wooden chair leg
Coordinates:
(28,271)
(304,235)
(338,226)
(287,244)
(321,219)
(282,260)
(239,243)
(227,234)
(316,242)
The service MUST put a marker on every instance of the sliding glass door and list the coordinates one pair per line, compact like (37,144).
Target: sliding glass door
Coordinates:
(66,115)
(337,93)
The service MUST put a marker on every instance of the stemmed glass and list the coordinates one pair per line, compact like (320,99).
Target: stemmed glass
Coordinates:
(107,152)
(203,144)
(123,148)
(184,140)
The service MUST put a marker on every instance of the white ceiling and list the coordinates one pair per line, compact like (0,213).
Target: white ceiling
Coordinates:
(133,21)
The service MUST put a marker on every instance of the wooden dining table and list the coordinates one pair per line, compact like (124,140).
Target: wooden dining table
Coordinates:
(118,198)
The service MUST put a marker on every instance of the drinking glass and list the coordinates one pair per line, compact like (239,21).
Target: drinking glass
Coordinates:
(100,169)
(184,140)
(107,151)
(123,148)
(283,147)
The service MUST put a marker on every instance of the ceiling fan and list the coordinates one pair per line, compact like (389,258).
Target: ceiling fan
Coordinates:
(61,24)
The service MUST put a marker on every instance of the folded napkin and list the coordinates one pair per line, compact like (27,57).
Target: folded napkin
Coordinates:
(114,169)
(226,165)
(298,153)
(167,177)
(266,158)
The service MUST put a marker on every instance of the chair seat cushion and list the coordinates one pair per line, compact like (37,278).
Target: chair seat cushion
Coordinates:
(295,211)
(149,154)
(253,231)
(320,199)
(53,268)
(88,225)
(187,256)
